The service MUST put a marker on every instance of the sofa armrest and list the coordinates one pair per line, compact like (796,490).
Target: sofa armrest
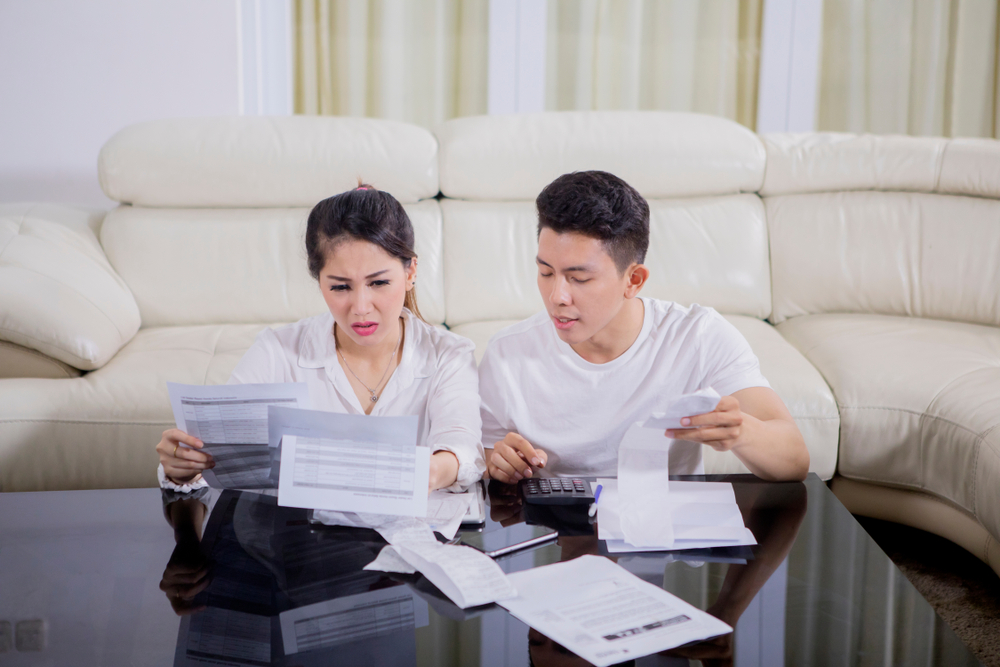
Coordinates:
(58,292)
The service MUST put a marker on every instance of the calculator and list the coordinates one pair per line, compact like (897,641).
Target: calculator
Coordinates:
(556,491)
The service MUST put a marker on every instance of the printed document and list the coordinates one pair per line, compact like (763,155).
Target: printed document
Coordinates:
(357,463)
(603,613)
(232,422)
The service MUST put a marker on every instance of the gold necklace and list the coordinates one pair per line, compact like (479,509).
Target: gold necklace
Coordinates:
(371,391)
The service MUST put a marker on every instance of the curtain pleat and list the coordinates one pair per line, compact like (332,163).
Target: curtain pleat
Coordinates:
(673,55)
(920,67)
(419,61)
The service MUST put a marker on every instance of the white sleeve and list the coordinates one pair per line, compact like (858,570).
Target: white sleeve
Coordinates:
(257,366)
(195,484)
(493,389)
(728,361)
(453,412)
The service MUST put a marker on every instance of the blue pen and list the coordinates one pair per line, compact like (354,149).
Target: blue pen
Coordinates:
(597,496)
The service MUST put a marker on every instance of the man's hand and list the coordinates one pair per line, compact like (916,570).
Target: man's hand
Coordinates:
(755,425)
(513,458)
(721,429)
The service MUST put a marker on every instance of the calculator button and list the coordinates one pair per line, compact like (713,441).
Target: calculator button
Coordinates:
(546,489)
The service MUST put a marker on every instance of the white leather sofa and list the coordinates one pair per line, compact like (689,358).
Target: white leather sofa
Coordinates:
(864,271)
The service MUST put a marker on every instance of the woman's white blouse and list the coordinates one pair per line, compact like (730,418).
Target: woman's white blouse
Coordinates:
(436,380)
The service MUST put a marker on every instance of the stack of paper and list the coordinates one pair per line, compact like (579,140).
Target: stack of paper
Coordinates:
(702,514)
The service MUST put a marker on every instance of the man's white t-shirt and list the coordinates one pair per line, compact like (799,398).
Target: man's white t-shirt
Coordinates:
(534,384)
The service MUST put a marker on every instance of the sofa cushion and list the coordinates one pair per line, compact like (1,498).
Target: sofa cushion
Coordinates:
(661,154)
(213,266)
(23,362)
(829,161)
(99,430)
(892,253)
(918,402)
(710,250)
(58,293)
(275,161)
(799,384)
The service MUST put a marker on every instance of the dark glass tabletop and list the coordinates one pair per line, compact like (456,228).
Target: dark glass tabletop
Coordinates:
(102,578)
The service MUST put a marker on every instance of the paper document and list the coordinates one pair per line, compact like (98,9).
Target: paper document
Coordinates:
(688,405)
(371,464)
(605,614)
(703,515)
(232,422)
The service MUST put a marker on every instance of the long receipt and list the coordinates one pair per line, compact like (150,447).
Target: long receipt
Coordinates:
(231,420)
(605,614)
(468,577)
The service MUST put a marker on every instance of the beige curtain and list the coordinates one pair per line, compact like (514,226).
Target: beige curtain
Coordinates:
(922,67)
(678,55)
(419,61)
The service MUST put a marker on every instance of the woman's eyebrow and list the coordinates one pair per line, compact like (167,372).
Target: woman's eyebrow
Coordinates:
(347,280)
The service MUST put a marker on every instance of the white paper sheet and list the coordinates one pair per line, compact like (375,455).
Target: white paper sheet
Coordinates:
(705,515)
(605,614)
(379,469)
(468,577)
(216,636)
(377,614)
(232,422)
(688,405)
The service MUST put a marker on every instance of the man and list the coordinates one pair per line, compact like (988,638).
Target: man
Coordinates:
(560,389)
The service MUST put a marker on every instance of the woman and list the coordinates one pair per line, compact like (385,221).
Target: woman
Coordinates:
(372,353)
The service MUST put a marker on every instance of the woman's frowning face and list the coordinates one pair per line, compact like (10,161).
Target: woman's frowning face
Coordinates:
(365,287)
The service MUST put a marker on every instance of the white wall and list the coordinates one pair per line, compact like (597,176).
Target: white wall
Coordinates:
(73,73)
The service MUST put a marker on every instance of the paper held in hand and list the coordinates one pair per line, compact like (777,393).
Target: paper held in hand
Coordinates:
(232,422)
(605,614)
(356,463)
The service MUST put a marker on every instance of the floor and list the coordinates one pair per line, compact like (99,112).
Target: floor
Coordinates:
(963,590)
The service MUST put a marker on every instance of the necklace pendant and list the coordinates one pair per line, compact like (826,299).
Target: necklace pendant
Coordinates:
(374,397)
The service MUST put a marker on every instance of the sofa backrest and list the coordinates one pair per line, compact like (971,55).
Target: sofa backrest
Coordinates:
(890,225)
(212,223)
(708,237)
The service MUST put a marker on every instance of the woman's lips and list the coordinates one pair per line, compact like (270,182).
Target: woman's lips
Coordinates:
(365,328)
(563,323)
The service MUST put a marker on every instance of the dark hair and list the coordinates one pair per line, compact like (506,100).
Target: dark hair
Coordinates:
(599,205)
(364,214)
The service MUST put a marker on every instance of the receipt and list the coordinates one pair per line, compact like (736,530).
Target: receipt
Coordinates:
(468,577)
(688,405)
(643,486)
(389,560)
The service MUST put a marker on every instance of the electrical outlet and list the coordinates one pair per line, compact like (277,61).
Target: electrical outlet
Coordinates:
(30,635)
(6,637)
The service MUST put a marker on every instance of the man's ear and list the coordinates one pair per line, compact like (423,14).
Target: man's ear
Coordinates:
(637,275)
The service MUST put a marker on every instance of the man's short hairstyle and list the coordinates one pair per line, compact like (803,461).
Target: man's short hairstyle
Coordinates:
(599,205)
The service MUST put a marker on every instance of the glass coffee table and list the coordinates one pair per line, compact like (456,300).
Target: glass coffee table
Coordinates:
(102,578)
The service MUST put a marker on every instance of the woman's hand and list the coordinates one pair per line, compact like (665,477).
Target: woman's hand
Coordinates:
(182,464)
(444,470)
(512,459)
